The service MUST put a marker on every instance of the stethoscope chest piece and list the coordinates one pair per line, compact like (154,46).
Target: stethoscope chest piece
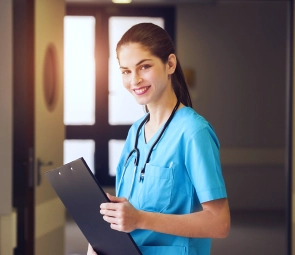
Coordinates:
(141,175)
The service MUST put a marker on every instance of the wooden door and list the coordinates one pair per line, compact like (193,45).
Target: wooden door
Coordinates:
(49,128)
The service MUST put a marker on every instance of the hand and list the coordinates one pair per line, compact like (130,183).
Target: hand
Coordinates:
(120,214)
(90,250)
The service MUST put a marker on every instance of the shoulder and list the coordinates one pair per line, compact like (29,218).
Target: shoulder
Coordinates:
(191,120)
(192,125)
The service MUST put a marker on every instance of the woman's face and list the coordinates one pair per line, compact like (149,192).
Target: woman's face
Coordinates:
(144,75)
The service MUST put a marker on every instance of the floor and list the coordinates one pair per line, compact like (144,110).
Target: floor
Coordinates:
(255,233)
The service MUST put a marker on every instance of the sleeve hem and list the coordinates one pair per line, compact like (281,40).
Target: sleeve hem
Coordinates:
(214,194)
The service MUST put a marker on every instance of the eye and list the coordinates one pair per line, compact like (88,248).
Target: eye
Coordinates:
(144,67)
(125,71)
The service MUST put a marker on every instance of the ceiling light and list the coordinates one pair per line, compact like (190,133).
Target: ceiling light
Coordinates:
(122,1)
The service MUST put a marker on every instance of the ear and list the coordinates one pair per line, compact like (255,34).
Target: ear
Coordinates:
(171,63)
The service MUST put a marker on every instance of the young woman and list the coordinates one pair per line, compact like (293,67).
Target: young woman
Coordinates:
(171,195)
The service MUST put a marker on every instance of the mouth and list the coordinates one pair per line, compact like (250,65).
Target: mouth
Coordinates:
(141,91)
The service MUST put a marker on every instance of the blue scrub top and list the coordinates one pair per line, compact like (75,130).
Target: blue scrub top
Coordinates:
(183,172)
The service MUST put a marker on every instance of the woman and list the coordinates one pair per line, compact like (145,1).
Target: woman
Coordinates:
(171,198)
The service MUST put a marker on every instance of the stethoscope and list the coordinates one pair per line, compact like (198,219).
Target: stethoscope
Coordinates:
(136,151)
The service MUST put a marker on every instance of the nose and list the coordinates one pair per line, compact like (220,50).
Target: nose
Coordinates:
(135,80)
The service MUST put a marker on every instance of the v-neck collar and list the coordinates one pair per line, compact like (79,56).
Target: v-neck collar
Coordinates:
(153,137)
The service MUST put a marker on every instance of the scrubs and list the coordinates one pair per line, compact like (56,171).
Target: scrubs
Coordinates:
(183,172)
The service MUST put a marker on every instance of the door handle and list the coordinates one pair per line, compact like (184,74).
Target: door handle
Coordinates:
(41,164)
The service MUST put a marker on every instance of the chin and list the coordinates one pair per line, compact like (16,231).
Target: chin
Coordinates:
(141,101)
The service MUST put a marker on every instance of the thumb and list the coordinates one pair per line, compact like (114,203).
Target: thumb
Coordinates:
(115,199)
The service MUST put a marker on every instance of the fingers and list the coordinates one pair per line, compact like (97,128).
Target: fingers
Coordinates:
(119,228)
(116,202)
(112,220)
(121,216)
(109,206)
(108,212)
(113,212)
(90,250)
(115,199)
(117,224)
(112,206)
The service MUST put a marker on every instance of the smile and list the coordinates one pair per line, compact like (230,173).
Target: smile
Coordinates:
(141,90)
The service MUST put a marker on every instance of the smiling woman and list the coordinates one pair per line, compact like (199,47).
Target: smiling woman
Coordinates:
(179,201)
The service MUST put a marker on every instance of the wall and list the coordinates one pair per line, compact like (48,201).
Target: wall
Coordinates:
(238,52)
(7,217)
(5,106)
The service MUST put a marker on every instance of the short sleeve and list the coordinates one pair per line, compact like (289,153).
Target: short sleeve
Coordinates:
(202,161)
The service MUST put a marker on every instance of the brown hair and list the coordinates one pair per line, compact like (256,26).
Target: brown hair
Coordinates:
(160,44)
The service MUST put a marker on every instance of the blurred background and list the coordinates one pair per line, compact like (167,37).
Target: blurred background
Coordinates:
(61,98)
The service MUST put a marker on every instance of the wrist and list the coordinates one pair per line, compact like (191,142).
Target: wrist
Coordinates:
(141,220)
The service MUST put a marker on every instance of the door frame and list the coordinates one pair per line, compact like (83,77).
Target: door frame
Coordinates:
(23,124)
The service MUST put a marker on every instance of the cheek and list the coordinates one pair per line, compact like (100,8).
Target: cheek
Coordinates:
(158,79)
(126,82)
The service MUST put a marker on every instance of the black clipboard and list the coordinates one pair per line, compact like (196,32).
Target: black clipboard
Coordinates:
(82,195)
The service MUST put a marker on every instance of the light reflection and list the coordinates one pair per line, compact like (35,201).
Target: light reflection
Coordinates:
(115,149)
(74,149)
(79,70)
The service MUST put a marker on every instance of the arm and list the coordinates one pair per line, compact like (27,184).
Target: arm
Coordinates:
(213,221)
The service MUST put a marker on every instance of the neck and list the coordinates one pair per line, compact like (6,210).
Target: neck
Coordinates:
(160,113)
(158,117)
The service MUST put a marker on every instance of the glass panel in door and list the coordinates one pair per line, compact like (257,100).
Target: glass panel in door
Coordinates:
(79,70)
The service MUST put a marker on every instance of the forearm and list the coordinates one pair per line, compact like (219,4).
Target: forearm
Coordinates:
(206,223)
(213,221)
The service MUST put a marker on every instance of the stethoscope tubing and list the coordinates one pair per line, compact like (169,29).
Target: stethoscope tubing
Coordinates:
(142,172)
(136,160)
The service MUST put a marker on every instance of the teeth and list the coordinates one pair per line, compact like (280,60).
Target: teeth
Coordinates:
(139,91)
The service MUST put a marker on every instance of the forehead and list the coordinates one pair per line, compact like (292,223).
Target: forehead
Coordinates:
(133,52)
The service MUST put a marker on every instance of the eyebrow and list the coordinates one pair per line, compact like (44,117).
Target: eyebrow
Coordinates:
(140,62)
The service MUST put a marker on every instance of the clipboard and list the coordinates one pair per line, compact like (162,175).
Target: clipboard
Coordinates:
(82,195)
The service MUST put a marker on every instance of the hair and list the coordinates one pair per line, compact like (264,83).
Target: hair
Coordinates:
(159,43)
